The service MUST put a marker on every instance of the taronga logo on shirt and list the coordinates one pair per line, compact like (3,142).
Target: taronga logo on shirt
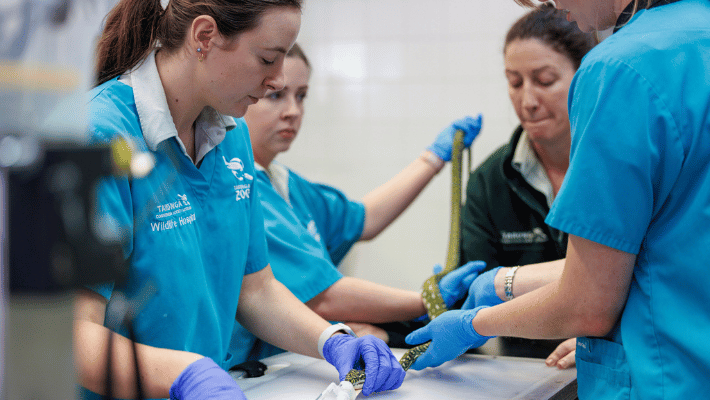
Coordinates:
(243,191)
(525,237)
(237,167)
(173,215)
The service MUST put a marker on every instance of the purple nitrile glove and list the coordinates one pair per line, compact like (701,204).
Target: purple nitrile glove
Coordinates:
(444,142)
(451,334)
(483,291)
(382,370)
(204,379)
(454,285)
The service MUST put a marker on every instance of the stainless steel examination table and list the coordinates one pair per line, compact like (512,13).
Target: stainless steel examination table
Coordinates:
(472,376)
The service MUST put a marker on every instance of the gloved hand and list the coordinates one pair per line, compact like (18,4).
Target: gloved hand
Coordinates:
(382,370)
(444,142)
(451,334)
(204,379)
(483,291)
(454,285)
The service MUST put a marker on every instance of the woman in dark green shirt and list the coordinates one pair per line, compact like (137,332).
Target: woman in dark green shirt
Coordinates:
(510,193)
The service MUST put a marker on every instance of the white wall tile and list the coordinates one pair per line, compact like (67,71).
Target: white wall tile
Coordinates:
(387,60)
(425,19)
(385,19)
(424,61)
(388,75)
(387,103)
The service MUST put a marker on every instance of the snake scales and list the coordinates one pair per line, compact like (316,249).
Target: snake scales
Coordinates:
(430,289)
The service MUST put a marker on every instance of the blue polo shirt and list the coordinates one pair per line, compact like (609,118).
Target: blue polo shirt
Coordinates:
(310,227)
(191,232)
(639,182)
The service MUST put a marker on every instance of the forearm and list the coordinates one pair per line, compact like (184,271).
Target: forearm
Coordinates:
(361,329)
(158,367)
(586,300)
(270,311)
(529,277)
(352,299)
(388,201)
(537,315)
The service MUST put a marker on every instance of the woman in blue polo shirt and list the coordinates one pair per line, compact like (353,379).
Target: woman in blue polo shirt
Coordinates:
(635,205)
(310,227)
(170,81)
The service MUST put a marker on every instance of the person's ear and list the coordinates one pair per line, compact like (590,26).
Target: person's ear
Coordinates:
(203,36)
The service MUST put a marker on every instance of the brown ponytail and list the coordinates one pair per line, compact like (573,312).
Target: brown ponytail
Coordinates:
(128,37)
(134,27)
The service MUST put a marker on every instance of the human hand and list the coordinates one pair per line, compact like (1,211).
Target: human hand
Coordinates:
(483,291)
(445,140)
(382,370)
(451,334)
(563,356)
(205,379)
(454,285)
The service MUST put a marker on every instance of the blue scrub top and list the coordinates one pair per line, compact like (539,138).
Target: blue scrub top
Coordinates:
(191,232)
(639,182)
(307,237)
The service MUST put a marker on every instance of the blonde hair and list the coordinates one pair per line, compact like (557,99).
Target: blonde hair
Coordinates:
(297,52)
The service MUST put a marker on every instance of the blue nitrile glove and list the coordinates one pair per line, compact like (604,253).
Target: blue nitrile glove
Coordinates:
(382,370)
(451,334)
(203,379)
(444,142)
(455,284)
(483,291)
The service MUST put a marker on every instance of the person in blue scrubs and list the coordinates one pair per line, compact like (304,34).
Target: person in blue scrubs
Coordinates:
(310,226)
(171,83)
(635,204)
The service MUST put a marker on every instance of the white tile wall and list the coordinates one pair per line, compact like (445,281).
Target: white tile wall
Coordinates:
(388,76)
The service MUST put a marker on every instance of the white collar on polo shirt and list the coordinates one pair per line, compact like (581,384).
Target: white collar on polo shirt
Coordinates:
(154,114)
(526,162)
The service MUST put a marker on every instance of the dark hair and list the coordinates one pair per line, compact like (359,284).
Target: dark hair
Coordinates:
(297,51)
(133,27)
(637,4)
(550,26)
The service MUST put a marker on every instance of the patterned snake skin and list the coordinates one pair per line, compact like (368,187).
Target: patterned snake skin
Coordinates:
(357,376)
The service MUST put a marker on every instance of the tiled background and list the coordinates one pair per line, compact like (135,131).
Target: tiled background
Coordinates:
(388,75)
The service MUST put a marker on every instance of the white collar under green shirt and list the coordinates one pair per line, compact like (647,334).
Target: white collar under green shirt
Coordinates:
(278,175)
(526,162)
(157,123)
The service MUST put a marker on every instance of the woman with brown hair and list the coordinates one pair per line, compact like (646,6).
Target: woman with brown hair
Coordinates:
(175,83)
(510,194)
